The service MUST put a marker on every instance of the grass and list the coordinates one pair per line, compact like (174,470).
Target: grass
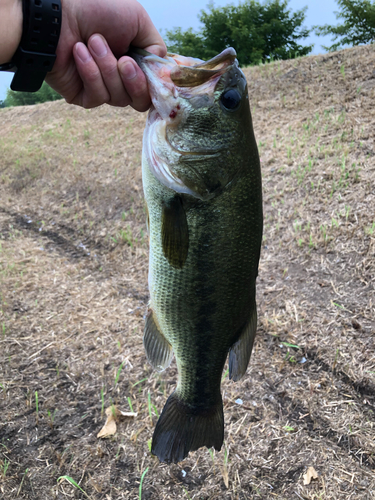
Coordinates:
(187,494)
(119,370)
(211,452)
(22,480)
(291,345)
(141,483)
(151,407)
(72,482)
(225,375)
(288,428)
(70,317)
(130,404)
(51,417)
(4,467)
(140,382)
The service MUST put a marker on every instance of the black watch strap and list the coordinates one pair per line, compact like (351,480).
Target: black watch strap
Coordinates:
(36,53)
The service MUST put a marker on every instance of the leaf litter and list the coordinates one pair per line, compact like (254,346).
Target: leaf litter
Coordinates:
(310,475)
(114,415)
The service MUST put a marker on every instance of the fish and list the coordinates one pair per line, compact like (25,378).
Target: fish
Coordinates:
(202,186)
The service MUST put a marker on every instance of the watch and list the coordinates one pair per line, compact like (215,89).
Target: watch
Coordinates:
(36,53)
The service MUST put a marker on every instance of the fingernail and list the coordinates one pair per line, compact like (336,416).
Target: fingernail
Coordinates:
(128,71)
(98,46)
(82,52)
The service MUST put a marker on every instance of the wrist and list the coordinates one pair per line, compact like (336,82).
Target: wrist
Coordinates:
(10,28)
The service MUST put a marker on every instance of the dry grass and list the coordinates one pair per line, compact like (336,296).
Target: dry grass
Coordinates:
(73,291)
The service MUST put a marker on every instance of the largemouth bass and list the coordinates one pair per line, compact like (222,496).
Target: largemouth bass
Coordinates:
(202,185)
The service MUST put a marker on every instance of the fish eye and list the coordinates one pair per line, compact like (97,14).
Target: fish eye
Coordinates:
(230,99)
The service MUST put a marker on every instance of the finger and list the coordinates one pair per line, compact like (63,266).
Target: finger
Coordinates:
(107,64)
(148,36)
(135,83)
(94,92)
(157,50)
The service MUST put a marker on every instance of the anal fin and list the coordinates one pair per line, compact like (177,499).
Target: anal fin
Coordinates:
(240,352)
(158,349)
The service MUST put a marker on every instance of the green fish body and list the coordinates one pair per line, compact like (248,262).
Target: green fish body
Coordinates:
(202,185)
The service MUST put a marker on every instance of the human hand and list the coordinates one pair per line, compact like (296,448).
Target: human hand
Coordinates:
(93,35)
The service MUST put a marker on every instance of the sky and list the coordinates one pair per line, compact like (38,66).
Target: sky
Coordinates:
(168,14)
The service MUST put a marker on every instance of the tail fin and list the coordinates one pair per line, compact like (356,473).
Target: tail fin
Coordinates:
(181,429)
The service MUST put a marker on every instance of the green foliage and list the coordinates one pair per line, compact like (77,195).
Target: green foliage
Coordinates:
(259,32)
(186,43)
(358,25)
(44,94)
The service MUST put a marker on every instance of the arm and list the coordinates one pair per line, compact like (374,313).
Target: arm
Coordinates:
(10,28)
(93,36)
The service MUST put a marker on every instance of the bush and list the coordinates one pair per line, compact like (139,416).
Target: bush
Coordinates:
(44,94)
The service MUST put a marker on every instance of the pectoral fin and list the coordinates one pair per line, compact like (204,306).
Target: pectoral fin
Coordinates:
(158,349)
(175,233)
(239,354)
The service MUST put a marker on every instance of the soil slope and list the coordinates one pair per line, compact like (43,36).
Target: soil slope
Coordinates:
(73,293)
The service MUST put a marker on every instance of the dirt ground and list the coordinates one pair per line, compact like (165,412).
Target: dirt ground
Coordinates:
(73,293)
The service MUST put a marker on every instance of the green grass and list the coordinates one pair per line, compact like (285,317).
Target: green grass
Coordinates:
(151,407)
(288,428)
(22,480)
(141,483)
(130,404)
(210,451)
(4,467)
(370,229)
(119,372)
(225,375)
(187,494)
(291,345)
(51,417)
(140,382)
(71,481)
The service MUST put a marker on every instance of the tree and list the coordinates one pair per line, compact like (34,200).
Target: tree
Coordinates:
(44,94)
(186,43)
(257,31)
(358,26)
